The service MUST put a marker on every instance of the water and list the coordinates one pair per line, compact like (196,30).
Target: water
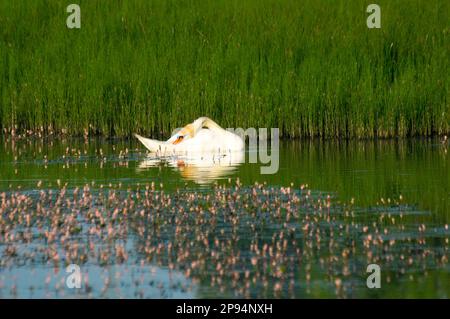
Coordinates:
(385,202)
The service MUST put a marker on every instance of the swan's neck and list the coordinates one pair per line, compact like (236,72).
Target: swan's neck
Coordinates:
(207,123)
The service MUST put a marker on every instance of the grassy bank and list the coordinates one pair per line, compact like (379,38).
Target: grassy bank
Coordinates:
(311,68)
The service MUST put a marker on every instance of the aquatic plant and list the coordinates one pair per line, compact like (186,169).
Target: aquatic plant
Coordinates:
(235,241)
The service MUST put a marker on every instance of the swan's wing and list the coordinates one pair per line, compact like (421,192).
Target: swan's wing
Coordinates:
(204,141)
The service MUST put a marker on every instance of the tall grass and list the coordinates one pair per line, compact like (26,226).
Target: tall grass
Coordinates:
(310,67)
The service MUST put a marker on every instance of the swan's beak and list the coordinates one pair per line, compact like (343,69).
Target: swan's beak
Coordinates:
(185,132)
(178,140)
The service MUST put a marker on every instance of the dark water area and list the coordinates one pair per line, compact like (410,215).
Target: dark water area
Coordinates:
(202,229)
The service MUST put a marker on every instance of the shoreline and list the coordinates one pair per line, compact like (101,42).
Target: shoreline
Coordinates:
(22,134)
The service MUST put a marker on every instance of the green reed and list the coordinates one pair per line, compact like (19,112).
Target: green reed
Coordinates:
(311,68)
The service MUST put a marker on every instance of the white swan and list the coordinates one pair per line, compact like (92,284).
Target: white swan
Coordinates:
(201,136)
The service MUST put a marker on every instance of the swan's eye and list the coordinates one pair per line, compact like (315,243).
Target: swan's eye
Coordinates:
(179,139)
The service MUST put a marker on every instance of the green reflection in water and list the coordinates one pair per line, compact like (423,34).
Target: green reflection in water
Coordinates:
(365,171)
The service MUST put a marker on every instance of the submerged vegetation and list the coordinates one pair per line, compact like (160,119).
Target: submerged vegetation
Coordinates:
(311,68)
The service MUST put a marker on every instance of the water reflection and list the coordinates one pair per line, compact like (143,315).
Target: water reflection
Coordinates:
(201,169)
(126,219)
(126,280)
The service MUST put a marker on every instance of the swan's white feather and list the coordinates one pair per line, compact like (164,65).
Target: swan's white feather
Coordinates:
(206,140)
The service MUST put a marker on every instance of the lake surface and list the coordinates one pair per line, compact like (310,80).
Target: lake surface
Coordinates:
(140,227)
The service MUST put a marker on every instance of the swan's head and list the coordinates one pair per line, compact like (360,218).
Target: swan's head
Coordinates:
(185,133)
